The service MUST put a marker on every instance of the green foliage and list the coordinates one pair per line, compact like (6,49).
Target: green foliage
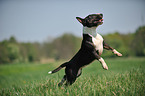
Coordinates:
(120,42)
(31,51)
(125,77)
(65,47)
(138,44)
(9,51)
(12,51)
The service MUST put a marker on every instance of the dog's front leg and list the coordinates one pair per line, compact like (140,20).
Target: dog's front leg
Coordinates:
(104,65)
(95,54)
(101,60)
(106,46)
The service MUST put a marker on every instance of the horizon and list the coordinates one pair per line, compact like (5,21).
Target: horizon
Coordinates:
(37,21)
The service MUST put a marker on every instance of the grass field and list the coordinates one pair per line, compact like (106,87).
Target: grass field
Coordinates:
(125,77)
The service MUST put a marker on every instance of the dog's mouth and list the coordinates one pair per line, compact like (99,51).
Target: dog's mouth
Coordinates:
(100,20)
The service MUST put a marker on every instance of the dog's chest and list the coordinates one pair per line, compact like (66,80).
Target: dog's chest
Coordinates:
(98,43)
(96,38)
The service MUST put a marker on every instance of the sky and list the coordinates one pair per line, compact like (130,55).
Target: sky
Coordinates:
(41,20)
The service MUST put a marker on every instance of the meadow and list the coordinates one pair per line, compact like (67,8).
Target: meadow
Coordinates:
(125,77)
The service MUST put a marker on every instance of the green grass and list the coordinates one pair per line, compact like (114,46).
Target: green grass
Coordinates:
(126,76)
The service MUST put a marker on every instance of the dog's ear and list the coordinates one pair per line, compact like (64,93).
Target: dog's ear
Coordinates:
(82,21)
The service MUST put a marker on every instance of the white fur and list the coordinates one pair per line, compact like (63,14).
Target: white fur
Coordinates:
(91,31)
(79,72)
(103,63)
(116,52)
(49,72)
(96,38)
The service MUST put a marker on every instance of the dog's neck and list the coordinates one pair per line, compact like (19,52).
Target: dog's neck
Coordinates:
(92,31)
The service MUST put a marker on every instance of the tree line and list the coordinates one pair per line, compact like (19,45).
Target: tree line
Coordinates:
(65,46)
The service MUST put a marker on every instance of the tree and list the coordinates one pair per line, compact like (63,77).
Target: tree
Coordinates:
(12,40)
(63,47)
(138,44)
(66,46)
(9,51)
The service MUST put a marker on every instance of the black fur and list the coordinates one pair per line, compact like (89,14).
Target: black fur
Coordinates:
(86,54)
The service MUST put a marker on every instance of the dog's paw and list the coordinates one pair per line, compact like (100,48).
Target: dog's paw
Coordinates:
(117,53)
(105,67)
(50,72)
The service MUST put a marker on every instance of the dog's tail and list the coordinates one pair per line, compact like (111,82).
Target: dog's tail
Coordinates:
(57,69)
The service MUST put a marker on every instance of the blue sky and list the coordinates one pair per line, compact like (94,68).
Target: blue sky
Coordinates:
(40,20)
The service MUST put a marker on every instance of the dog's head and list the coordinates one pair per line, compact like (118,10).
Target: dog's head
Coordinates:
(92,20)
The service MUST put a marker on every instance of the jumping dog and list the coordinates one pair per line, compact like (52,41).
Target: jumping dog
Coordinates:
(91,49)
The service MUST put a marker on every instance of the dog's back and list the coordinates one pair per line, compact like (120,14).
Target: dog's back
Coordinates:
(91,49)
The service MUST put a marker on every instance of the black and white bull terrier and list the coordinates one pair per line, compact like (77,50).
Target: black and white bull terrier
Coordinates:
(91,49)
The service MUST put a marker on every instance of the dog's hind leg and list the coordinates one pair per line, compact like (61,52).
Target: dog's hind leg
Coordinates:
(70,82)
(79,72)
(70,77)
(62,81)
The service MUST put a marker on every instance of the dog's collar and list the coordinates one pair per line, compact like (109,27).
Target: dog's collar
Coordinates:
(91,31)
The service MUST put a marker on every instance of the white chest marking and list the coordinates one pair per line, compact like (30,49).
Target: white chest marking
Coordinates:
(96,38)
(98,43)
